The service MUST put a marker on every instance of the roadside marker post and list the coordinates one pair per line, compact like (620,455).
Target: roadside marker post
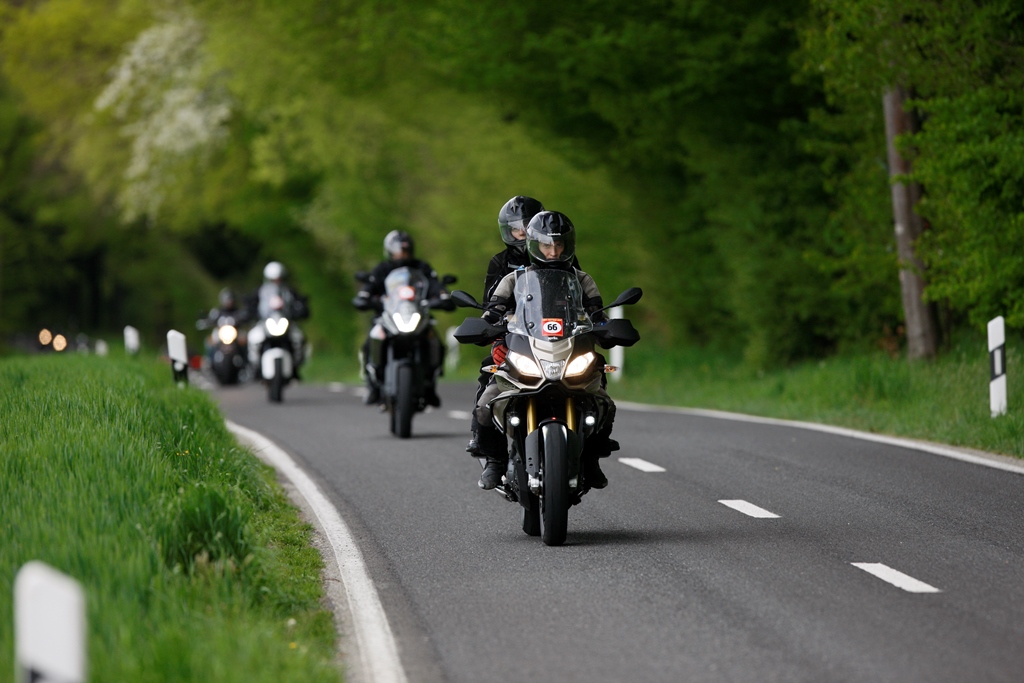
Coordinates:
(451,359)
(49,626)
(997,366)
(617,354)
(131,340)
(178,353)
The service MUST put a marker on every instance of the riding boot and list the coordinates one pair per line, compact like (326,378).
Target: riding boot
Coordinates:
(491,445)
(592,473)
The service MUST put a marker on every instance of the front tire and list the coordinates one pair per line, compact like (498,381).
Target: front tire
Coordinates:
(405,403)
(276,388)
(554,513)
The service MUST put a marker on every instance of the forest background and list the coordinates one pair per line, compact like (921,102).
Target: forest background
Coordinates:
(729,157)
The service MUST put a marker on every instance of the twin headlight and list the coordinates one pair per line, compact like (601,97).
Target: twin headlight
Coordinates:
(277,327)
(552,370)
(404,325)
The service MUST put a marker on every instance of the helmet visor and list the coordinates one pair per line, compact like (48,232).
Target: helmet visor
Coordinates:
(551,248)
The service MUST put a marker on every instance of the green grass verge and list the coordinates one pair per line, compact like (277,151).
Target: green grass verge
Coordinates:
(945,400)
(194,565)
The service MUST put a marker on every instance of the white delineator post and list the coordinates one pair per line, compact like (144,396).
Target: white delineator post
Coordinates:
(617,354)
(451,358)
(178,353)
(49,626)
(997,366)
(131,340)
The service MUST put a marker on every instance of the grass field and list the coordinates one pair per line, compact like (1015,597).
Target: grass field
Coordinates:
(195,567)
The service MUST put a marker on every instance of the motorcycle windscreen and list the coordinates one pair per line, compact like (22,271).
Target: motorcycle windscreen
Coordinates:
(405,289)
(549,305)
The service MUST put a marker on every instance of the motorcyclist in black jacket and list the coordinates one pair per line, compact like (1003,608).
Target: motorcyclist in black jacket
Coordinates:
(551,243)
(513,218)
(399,251)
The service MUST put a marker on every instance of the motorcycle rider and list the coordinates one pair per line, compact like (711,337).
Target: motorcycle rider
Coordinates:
(296,307)
(550,243)
(399,251)
(513,218)
(227,304)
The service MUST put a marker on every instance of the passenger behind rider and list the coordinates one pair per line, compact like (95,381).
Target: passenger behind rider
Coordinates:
(399,251)
(513,218)
(550,243)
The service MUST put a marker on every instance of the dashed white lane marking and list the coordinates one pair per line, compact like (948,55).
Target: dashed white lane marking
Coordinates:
(376,643)
(749,509)
(642,465)
(335,387)
(898,579)
(460,415)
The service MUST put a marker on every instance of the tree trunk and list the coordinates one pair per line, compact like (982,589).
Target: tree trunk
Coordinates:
(922,336)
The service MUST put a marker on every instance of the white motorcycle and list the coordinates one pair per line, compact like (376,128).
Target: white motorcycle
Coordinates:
(276,349)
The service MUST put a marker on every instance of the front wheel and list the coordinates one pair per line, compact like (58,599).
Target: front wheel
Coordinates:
(405,403)
(276,386)
(554,513)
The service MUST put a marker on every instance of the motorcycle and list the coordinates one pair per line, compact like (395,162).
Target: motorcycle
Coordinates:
(404,340)
(275,349)
(225,348)
(551,399)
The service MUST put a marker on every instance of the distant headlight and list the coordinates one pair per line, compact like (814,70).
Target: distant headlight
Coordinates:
(579,364)
(277,327)
(227,333)
(524,364)
(404,325)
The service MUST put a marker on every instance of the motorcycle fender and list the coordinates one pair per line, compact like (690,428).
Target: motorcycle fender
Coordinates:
(267,363)
(532,450)
(391,375)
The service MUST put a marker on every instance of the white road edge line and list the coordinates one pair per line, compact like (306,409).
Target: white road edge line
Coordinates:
(749,509)
(999,462)
(376,644)
(642,465)
(898,579)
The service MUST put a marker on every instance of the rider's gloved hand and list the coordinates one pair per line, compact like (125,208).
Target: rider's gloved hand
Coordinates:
(499,351)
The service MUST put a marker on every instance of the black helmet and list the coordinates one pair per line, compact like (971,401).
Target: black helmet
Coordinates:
(396,242)
(516,215)
(226,298)
(551,227)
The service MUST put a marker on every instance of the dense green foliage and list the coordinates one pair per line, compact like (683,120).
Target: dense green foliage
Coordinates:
(728,157)
(194,565)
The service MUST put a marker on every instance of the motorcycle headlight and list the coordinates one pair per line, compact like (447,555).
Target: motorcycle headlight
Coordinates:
(579,364)
(227,334)
(277,327)
(524,364)
(404,325)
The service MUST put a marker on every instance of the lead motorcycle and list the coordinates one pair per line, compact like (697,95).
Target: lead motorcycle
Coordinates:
(404,340)
(551,400)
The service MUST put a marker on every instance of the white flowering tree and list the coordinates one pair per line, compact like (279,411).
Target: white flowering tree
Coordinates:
(168,106)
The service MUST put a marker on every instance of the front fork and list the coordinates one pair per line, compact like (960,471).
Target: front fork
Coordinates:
(532,445)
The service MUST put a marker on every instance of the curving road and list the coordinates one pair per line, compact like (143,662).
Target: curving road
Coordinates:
(725,551)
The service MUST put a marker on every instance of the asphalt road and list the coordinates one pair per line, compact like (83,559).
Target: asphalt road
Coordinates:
(880,564)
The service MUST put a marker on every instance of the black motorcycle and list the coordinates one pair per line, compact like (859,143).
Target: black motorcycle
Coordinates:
(404,340)
(551,399)
(225,347)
